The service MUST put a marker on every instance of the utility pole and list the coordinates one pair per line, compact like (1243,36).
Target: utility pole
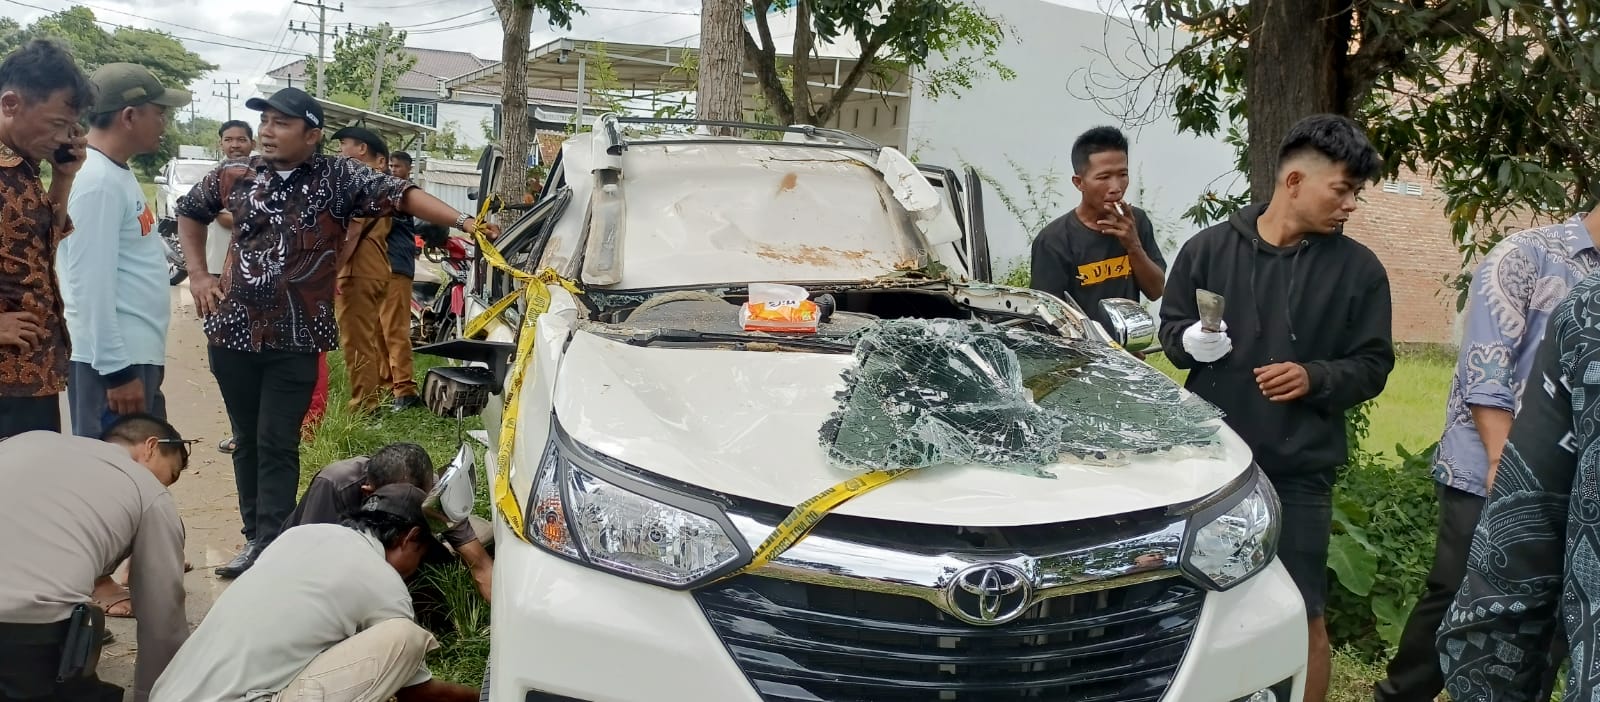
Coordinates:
(191,112)
(377,65)
(226,96)
(322,35)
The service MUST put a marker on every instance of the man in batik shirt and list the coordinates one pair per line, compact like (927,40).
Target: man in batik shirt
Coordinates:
(42,93)
(1534,564)
(271,313)
(1513,295)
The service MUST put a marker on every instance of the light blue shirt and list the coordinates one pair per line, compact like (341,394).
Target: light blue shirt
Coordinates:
(113,271)
(1509,305)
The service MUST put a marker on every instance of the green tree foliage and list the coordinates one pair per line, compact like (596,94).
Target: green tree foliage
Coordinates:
(355,58)
(892,39)
(1500,99)
(93,47)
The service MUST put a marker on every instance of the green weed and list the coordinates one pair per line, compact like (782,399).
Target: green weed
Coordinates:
(453,610)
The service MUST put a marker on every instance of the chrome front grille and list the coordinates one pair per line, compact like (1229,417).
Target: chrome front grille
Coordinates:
(816,643)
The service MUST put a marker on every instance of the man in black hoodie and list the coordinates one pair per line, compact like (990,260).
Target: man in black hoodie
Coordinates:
(1305,336)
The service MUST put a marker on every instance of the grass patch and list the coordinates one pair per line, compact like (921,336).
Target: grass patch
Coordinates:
(457,615)
(1352,678)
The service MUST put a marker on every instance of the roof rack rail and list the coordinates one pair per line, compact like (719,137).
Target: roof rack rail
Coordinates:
(609,123)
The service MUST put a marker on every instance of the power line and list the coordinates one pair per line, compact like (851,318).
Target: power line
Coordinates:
(114,25)
(468,25)
(442,21)
(403,5)
(684,13)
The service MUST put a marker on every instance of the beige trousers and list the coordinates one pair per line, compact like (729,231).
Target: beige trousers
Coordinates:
(368,667)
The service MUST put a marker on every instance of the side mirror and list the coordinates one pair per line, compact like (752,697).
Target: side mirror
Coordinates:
(472,194)
(161,180)
(451,499)
(1132,325)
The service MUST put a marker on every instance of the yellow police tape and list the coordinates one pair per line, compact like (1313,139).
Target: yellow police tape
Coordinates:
(807,514)
(792,529)
(534,289)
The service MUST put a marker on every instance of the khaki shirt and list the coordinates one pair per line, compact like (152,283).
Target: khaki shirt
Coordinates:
(70,511)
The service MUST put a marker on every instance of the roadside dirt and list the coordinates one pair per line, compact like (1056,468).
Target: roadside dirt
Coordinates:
(206,497)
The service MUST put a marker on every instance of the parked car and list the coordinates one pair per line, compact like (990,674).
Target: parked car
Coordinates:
(658,443)
(176,180)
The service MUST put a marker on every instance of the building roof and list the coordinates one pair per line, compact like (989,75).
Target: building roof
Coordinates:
(432,66)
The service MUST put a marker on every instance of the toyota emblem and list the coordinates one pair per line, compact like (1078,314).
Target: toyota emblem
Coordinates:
(989,594)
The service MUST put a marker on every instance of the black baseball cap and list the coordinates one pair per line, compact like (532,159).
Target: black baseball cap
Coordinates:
(403,500)
(365,136)
(293,102)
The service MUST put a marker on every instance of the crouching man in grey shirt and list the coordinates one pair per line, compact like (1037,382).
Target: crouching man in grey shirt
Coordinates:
(71,509)
(324,615)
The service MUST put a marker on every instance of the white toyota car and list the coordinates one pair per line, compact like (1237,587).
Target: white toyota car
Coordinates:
(657,445)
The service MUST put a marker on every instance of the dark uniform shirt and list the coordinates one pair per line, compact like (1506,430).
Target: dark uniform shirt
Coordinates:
(278,285)
(1074,262)
(336,491)
(28,242)
(403,245)
(1534,563)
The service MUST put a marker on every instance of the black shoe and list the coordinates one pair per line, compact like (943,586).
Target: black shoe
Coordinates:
(240,563)
(402,404)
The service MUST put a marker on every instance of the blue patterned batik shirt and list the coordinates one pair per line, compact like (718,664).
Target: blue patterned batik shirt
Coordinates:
(1513,294)
(1535,557)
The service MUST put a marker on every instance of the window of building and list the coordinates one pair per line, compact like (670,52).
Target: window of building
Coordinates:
(423,113)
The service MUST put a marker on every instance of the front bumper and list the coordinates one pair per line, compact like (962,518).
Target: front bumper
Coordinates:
(571,632)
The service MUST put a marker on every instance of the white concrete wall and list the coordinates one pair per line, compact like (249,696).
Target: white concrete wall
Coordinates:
(1033,119)
(468,121)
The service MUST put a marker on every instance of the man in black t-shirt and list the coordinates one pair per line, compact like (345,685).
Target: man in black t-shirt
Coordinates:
(1103,248)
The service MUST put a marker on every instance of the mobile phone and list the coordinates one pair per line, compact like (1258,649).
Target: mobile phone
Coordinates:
(64,154)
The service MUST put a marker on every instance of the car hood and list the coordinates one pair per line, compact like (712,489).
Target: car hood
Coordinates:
(746,423)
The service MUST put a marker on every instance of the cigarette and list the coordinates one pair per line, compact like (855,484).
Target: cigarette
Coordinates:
(1118,205)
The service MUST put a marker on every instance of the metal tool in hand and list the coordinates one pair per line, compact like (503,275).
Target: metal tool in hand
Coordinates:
(1211,307)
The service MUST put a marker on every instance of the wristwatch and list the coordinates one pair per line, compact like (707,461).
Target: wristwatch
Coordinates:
(461,222)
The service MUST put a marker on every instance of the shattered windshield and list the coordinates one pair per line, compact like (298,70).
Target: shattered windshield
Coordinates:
(926,392)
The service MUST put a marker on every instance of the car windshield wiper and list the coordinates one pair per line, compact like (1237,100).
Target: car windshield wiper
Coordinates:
(690,336)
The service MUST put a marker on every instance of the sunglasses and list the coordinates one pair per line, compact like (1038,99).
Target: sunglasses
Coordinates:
(183,448)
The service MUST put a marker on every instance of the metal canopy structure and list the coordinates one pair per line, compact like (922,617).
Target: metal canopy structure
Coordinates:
(647,68)
(396,132)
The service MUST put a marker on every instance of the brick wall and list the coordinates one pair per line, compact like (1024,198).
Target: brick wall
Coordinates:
(549,145)
(1403,222)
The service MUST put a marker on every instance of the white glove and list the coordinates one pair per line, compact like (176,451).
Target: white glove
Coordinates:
(1204,346)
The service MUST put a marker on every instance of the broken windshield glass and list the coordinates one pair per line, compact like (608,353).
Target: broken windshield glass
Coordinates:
(925,392)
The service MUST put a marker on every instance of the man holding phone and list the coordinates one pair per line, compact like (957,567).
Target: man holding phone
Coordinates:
(42,94)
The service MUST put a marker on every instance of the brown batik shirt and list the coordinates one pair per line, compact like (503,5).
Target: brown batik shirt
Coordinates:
(288,233)
(28,241)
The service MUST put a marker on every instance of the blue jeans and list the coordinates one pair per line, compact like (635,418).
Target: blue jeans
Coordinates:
(86,396)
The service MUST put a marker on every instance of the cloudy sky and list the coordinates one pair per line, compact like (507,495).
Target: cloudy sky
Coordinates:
(246,39)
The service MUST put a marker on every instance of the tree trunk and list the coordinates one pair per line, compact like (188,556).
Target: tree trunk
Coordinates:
(717,95)
(516,19)
(804,43)
(1298,51)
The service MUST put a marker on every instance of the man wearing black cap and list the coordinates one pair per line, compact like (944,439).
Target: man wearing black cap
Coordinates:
(271,313)
(326,609)
(364,281)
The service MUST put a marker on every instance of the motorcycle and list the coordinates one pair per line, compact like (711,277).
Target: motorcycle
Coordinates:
(176,271)
(438,303)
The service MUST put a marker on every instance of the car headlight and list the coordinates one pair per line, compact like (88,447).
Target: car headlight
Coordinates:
(1235,536)
(602,513)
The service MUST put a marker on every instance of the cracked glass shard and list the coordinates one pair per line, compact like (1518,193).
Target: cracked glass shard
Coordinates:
(928,392)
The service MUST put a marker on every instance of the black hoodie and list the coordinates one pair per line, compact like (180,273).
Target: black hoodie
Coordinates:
(1323,303)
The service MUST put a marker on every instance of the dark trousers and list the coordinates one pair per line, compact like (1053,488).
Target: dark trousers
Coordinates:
(266,394)
(1414,673)
(24,414)
(28,666)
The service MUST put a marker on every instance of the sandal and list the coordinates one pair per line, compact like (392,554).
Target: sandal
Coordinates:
(118,605)
(228,445)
